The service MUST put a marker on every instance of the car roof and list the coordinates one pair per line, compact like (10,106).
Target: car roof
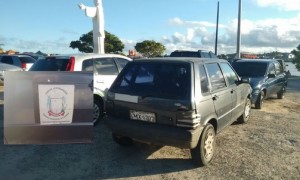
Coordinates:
(181,59)
(255,60)
(87,55)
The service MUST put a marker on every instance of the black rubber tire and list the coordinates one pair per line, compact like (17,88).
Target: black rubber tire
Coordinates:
(260,100)
(280,94)
(121,140)
(203,153)
(246,114)
(98,111)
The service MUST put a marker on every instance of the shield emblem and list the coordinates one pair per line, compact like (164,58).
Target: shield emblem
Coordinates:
(56,105)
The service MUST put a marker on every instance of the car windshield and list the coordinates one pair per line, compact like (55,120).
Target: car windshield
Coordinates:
(161,80)
(50,65)
(250,69)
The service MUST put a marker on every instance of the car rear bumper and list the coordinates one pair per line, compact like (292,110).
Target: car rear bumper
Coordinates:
(155,133)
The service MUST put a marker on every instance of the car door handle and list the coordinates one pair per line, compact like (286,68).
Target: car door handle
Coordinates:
(215,97)
(99,81)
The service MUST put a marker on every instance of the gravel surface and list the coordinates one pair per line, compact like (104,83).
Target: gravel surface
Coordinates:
(267,147)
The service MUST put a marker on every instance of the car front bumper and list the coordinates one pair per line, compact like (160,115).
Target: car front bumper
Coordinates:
(155,133)
(255,96)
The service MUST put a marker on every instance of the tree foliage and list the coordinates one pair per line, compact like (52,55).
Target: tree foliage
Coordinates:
(296,60)
(150,48)
(112,44)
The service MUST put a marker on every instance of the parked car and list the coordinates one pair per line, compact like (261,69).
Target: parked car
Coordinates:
(199,54)
(23,61)
(6,67)
(106,67)
(181,102)
(34,55)
(266,78)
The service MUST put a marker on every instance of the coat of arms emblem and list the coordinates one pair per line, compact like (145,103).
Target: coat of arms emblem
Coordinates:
(56,104)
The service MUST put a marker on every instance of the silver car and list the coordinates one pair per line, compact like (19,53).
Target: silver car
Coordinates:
(6,67)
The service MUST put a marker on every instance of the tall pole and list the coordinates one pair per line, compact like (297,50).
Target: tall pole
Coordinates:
(238,51)
(217,31)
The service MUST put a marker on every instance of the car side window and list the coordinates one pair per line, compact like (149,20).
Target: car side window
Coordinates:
(121,62)
(229,73)
(203,80)
(7,60)
(88,65)
(278,68)
(105,66)
(271,69)
(205,55)
(215,76)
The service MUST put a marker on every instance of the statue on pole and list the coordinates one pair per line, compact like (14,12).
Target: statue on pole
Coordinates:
(96,13)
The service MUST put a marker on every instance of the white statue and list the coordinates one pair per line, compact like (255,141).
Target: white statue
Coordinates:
(98,24)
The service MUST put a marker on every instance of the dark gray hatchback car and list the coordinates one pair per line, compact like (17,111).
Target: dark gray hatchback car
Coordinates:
(181,102)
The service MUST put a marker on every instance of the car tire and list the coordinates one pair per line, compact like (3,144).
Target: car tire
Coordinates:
(260,100)
(98,111)
(280,94)
(246,114)
(121,140)
(203,153)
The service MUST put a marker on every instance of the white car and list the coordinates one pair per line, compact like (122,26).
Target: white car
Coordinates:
(106,67)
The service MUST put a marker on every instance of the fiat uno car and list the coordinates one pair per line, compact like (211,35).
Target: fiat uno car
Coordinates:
(181,102)
(106,67)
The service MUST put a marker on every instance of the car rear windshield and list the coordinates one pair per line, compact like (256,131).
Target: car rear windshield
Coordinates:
(51,64)
(27,60)
(250,69)
(161,80)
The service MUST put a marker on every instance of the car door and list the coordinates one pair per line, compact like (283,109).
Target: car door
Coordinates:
(271,81)
(236,91)
(221,94)
(105,72)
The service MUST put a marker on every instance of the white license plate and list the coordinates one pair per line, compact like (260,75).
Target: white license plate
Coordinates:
(142,116)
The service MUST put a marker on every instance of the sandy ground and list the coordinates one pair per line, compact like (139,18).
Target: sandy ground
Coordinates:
(267,147)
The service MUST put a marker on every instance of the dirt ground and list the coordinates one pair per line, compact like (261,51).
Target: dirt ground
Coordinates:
(267,147)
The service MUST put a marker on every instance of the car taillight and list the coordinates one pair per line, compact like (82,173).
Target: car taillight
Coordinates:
(71,64)
(23,66)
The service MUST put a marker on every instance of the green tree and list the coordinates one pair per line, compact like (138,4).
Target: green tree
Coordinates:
(112,44)
(296,59)
(150,48)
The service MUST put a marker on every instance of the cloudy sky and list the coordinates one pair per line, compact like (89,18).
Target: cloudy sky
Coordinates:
(50,25)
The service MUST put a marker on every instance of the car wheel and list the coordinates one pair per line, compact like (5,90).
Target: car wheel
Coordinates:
(203,153)
(246,114)
(280,94)
(121,140)
(260,100)
(98,111)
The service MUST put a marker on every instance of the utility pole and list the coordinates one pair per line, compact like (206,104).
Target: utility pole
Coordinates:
(217,31)
(238,51)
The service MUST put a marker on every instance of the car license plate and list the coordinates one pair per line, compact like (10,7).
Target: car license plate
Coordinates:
(142,116)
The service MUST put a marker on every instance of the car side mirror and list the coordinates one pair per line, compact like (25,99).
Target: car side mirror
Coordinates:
(245,80)
(271,75)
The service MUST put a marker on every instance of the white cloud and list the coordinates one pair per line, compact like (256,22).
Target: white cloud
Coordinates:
(286,5)
(179,22)
(274,34)
(60,45)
